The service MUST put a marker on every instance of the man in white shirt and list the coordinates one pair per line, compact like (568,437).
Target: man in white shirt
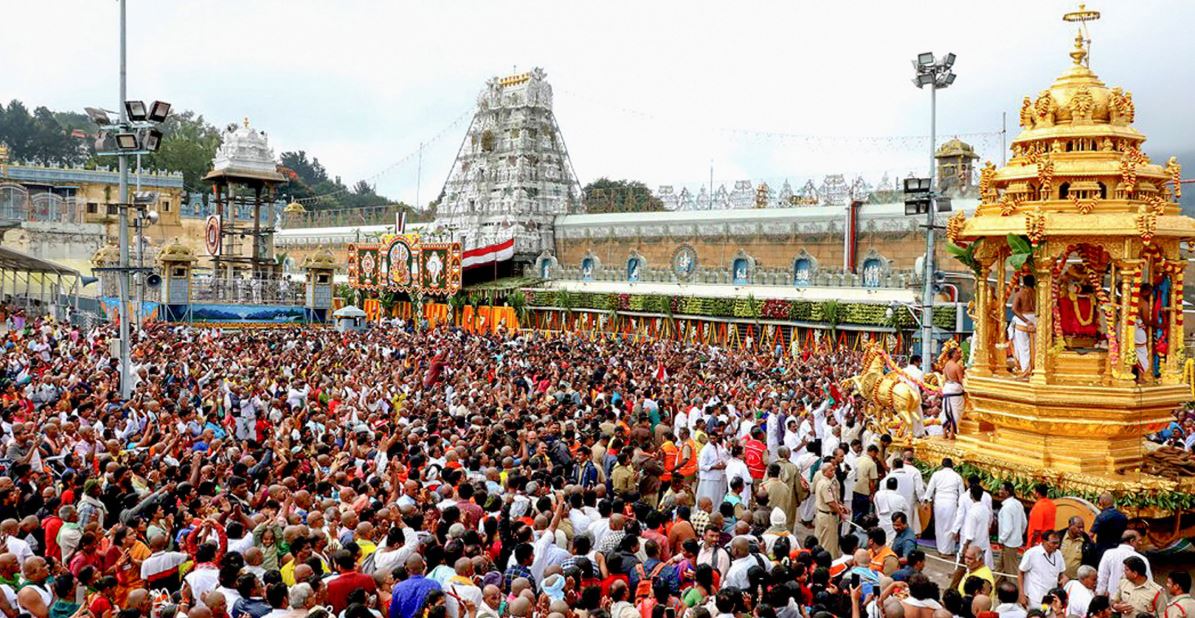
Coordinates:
(1006,594)
(1112,564)
(887,502)
(1040,569)
(600,526)
(945,487)
(1010,530)
(1080,591)
(911,487)
(976,528)
(743,561)
(964,506)
(680,421)
(711,466)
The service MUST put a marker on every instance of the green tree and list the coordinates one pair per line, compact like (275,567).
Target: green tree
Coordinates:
(188,145)
(38,137)
(605,195)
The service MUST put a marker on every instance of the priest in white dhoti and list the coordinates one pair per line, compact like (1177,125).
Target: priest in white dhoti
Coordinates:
(887,502)
(711,471)
(944,489)
(910,486)
(1141,343)
(1024,323)
(912,377)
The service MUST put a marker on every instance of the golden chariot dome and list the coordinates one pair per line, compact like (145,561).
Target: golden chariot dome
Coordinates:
(1082,232)
(294,208)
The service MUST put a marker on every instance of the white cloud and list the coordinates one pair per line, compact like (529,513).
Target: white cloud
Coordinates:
(643,89)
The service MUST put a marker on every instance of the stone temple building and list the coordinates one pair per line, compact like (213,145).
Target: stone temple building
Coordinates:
(512,175)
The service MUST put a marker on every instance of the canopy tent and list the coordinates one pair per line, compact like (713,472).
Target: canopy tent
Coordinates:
(24,279)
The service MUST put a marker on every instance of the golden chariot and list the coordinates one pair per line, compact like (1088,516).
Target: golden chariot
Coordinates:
(1097,223)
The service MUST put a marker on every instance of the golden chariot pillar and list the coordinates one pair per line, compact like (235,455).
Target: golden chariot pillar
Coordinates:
(1097,224)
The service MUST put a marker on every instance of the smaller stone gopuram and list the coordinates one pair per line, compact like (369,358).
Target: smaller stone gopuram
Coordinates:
(1079,234)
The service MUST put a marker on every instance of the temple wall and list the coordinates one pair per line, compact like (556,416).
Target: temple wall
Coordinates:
(901,248)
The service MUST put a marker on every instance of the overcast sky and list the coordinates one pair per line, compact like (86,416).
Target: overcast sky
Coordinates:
(648,90)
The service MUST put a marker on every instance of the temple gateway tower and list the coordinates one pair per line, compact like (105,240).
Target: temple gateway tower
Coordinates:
(1093,360)
(512,175)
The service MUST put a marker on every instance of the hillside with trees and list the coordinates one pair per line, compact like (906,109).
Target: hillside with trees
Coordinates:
(64,139)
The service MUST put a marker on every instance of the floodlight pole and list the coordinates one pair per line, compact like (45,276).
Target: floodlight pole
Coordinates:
(927,294)
(126,385)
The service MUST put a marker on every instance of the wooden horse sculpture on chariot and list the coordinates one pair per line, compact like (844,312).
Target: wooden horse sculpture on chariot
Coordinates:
(893,400)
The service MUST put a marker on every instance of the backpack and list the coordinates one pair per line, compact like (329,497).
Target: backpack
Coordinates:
(643,590)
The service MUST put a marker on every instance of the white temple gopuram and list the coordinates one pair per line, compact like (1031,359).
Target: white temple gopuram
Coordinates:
(512,175)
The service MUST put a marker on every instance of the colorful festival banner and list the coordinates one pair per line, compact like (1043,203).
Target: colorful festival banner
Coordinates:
(402,263)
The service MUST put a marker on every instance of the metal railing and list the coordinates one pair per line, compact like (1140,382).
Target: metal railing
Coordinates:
(342,217)
(17,204)
(247,291)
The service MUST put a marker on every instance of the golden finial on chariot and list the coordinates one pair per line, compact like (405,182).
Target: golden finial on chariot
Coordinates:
(1082,53)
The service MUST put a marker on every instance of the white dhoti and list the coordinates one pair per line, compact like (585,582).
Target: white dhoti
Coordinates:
(1022,340)
(806,511)
(945,506)
(1141,341)
(952,406)
(713,488)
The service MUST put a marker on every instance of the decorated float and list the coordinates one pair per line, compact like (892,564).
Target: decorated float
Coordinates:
(1097,224)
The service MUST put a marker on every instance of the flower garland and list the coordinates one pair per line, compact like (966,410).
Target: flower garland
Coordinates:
(1134,303)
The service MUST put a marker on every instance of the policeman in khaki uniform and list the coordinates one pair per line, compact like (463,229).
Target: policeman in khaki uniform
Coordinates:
(1178,585)
(1137,593)
(829,510)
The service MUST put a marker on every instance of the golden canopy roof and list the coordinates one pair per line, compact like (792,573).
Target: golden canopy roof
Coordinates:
(105,255)
(175,251)
(956,148)
(1077,169)
(294,208)
(322,259)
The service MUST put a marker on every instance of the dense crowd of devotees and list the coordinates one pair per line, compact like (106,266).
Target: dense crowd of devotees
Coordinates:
(290,473)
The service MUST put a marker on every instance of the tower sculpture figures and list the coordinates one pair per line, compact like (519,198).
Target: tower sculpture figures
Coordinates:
(512,174)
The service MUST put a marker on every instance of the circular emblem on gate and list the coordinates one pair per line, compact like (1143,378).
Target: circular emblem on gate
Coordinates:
(684,262)
(211,235)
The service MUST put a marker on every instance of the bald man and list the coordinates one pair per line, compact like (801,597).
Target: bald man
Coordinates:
(461,589)
(36,597)
(409,594)
(9,568)
(491,600)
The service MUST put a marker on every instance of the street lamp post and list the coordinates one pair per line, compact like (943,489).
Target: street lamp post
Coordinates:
(935,74)
(126,383)
(134,133)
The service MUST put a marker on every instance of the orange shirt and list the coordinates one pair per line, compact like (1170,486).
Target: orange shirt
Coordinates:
(877,558)
(670,453)
(1041,521)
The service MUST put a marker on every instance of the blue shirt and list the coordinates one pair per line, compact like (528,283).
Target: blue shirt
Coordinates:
(904,543)
(1108,527)
(407,596)
(512,573)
